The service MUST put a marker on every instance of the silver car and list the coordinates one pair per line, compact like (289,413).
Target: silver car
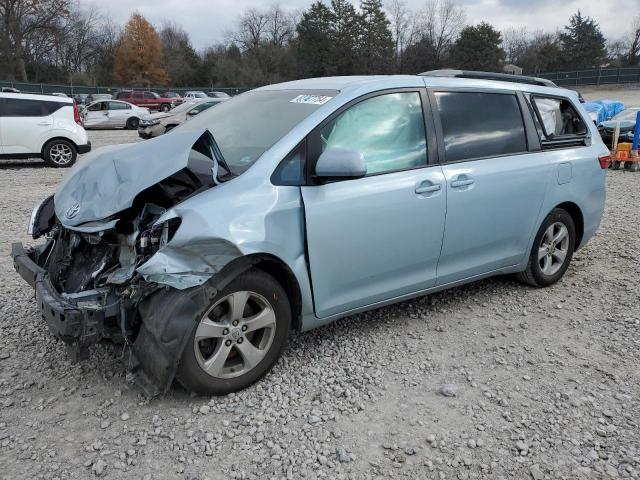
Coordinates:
(113,114)
(163,122)
(293,205)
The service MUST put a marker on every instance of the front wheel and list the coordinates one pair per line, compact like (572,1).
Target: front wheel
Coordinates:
(165,107)
(238,337)
(132,123)
(552,250)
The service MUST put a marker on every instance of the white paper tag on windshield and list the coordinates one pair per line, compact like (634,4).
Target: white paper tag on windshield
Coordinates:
(311,99)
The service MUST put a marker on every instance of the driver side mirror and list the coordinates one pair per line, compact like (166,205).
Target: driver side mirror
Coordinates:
(341,164)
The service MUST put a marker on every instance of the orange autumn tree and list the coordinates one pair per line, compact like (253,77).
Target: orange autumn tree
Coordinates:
(138,57)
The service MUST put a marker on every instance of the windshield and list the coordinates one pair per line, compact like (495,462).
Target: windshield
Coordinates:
(248,125)
(626,115)
(182,107)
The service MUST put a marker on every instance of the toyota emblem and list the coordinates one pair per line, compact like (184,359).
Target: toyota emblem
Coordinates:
(73,210)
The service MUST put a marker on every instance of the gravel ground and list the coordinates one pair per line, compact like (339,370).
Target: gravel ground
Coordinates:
(492,380)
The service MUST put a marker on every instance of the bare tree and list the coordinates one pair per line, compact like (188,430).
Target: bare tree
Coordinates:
(400,18)
(633,52)
(280,26)
(515,42)
(251,29)
(21,21)
(439,23)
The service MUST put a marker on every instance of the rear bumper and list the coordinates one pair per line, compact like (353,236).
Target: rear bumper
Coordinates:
(71,323)
(84,148)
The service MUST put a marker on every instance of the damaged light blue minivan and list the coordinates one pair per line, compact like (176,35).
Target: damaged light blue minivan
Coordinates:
(296,204)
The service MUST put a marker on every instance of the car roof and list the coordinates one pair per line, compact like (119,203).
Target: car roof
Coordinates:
(30,96)
(372,83)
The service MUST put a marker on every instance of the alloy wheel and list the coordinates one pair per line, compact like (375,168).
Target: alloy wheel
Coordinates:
(553,248)
(60,154)
(235,334)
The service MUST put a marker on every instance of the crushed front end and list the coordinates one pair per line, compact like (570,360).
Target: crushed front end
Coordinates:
(85,281)
(93,276)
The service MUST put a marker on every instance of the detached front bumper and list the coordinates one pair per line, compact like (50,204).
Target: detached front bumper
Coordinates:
(150,131)
(77,325)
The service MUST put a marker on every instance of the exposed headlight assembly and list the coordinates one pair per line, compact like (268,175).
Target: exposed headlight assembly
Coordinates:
(42,218)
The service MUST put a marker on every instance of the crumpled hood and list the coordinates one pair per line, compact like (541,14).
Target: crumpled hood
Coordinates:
(106,181)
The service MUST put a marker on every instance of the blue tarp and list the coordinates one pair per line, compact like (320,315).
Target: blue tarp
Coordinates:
(603,110)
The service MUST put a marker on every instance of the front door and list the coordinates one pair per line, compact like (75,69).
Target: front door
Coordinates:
(378,237)
(25,123)
(495,187)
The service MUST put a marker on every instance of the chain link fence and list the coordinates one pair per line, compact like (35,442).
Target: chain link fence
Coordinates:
(596,76)
(69,89)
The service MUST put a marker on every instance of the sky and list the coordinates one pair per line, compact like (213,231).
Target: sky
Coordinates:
(208,21)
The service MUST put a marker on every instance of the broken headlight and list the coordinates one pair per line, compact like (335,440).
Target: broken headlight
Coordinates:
(158,235)
(42,218)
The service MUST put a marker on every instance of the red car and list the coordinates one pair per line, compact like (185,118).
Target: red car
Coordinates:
(148,99)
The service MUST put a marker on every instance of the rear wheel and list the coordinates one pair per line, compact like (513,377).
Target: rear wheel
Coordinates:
(552,250)
(60,153)
(165,107)
(238,337)
(615,165)
(132,123)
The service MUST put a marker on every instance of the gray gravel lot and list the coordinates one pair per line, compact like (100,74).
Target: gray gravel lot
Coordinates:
(491,380)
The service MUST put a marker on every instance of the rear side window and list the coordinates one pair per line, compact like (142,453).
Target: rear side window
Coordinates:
(477,125)
(557,121)
(13,107)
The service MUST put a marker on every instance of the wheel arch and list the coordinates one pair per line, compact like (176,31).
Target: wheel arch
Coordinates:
(279,270)
(58,137)
(578,219)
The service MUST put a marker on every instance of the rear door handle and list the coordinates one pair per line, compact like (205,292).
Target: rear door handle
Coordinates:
(45,124)
(428,188)
(462,183)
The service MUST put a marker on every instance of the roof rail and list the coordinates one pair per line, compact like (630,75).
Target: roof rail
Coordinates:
(502,77)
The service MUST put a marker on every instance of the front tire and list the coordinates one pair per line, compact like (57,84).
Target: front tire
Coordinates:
(132,123)
(238,337)
(165,107)
(552,250)
(60,153)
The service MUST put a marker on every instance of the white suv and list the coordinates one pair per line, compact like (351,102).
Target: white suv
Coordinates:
(41,126)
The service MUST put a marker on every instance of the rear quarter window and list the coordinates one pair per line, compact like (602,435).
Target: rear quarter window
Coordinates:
(14,107)
(557,118)
(478,125)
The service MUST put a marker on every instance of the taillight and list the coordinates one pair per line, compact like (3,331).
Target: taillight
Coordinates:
(76,113)
(605,161)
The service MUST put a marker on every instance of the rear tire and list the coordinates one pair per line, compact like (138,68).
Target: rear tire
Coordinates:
(552,250)
(60,153)
(165,107)
(231,352)
(132,123)
(615,165)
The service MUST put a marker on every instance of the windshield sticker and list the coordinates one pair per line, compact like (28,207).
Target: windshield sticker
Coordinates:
(311,99)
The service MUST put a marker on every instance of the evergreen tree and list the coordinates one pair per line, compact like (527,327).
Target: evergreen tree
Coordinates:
(478,48)
(376,46)
(344,38)
(583,45)
(315,40)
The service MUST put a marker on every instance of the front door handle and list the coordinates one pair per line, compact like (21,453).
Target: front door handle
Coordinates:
(462,182)
(425,188)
